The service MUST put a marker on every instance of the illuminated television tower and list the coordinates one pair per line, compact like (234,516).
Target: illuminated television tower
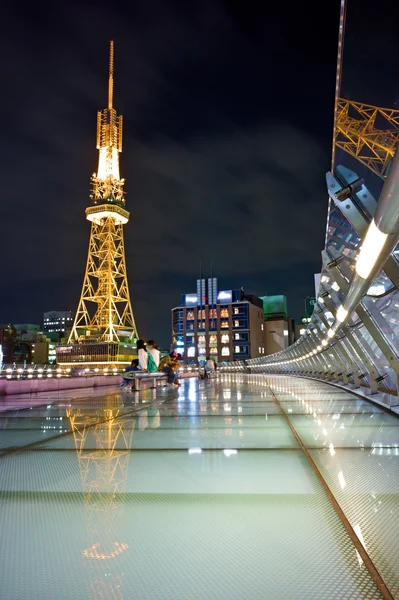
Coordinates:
(105,313)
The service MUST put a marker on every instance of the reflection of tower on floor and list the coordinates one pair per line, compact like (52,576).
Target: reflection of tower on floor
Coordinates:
(102,443)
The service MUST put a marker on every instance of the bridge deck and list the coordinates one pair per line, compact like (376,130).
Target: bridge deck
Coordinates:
(203,492)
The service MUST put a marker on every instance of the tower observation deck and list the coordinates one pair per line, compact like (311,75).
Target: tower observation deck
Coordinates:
(104,315)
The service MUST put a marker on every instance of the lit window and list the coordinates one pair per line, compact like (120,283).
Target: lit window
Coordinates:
(224,312)
(236,336)
(236,349)
(262,327)
(213,339)
(224,325)
(225,338)
(225,351)
(260,350)
(236,323)
(236,311)
(191,352)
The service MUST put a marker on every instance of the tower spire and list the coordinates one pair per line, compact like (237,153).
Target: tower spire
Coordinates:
(111,75)
(104,312)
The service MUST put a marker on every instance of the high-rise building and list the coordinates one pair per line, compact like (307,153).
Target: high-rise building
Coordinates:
(227,325)
(104,329)
(57,324)
(279,327)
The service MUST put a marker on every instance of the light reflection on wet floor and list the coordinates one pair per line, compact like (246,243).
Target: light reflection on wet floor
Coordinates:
(201,492)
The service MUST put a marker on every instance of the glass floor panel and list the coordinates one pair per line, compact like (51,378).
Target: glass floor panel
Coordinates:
(347,431)
(207,526)
(153,431)
(345,406)
(196,493)
(366,485)
(358,456)
(16,401)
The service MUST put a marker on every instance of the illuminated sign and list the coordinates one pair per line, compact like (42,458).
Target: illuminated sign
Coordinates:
(225,297)
(310,303)
(191,299)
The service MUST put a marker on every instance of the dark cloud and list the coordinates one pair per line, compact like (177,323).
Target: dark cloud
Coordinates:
(227,132)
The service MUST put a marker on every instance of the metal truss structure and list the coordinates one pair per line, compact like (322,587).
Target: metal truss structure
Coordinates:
(102,441)
(368,133)
(104,312)
(353,336)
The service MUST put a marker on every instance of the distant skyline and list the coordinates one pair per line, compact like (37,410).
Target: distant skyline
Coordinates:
(228,110)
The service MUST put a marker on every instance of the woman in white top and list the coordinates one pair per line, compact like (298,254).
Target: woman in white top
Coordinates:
(142,355)
(153,350)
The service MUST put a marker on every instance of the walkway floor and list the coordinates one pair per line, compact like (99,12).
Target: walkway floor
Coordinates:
(200,493)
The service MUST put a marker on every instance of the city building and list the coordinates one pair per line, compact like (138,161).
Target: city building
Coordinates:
(25,344)
(227,324)
(279,327)
(57,324)
(8,335)
(27,331)
(300,328)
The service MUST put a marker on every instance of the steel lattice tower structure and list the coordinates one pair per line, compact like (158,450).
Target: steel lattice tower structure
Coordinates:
(104,312)
(103,439)
(368,133)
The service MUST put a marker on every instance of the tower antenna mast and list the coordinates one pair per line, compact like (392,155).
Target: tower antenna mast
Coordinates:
(338,77)
(111,75)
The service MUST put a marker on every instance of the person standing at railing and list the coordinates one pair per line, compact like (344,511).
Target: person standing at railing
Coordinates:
(154,356)
(142,355)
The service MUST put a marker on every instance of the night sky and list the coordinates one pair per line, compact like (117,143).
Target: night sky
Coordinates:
(227,110)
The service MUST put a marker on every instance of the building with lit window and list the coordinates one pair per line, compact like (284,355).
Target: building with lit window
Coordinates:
(26,344)
(57,324)
(279,327)
(227,325)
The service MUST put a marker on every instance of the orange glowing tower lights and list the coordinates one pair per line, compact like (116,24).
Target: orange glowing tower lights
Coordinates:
(104,312)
